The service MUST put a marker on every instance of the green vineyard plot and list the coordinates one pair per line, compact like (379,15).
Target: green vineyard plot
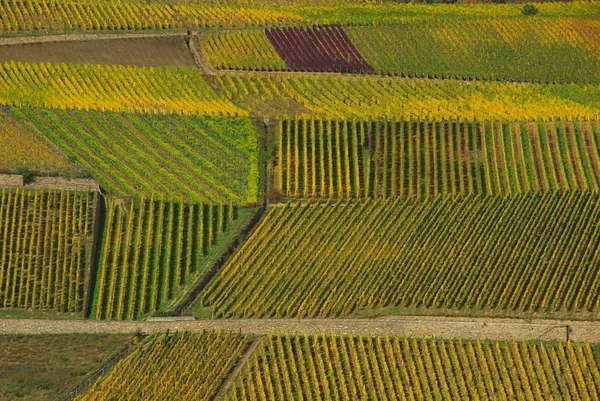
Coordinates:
(45,240)
(518,255)
(390,368)
(356,158)
(199,159)
(546,50)
(152,252)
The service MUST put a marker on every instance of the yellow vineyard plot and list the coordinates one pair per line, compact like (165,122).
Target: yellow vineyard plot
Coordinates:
(113,88)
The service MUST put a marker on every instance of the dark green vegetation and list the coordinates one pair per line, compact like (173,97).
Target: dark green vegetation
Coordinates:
(152,252)
(197,158)
(39,367)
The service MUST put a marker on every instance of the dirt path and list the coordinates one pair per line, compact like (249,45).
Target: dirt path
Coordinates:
(23,40)
(420,326)
(239,366)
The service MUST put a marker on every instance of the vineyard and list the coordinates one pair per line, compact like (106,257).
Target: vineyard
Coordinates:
(45,238)
(21,148)
(182,366)
(304,367)
(337,96)
(511,255)
(114,88)
(548,50)
(142,52)
(419,159)
(324,48)
(277,181)
(545,50)
(240,50)
(58,16)
(151,251)
(199,159)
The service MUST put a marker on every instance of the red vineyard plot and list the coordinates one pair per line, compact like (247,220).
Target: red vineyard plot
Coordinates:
(320,48)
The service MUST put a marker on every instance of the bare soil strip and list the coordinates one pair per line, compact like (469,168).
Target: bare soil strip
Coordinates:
(418,326)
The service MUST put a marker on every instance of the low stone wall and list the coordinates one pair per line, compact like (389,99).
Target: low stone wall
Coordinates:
(72,184)
(11,181)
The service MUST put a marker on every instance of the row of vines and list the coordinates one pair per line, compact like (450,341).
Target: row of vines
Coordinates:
(313,367)
(150,251)
(180,366)
(360,158)
(45,238)
(197,158)
(514,256)
(337,96)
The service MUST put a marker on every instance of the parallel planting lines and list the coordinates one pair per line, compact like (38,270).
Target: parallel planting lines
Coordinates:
(391,368)
(513,255)
(45,237)
(358,158)
(150,250)
(197,158)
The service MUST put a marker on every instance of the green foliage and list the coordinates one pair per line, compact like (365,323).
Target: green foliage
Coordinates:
(381,159)
(497,49)
(529,9)
(199,158)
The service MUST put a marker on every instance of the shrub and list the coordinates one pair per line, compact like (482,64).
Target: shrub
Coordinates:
(529,9)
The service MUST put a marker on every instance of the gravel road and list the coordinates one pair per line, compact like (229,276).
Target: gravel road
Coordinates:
(421,326)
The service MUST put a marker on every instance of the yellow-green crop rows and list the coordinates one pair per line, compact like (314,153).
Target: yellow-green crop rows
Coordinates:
(45,237)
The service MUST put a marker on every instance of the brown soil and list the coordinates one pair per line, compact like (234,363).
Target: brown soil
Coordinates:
(146,51)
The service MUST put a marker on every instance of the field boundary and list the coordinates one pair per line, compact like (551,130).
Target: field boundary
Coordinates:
(72,37)
(498,329)
(83,385)
(190,297)
(237,369)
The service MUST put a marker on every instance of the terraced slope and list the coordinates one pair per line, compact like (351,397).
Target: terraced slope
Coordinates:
(514,256)
(45,238)
(199,159)
(391,368)
(321,158)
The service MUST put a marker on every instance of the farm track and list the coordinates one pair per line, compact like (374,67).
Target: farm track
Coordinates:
(26,40)
(499,329)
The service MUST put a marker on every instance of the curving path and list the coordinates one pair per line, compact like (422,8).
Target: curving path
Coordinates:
(420,326)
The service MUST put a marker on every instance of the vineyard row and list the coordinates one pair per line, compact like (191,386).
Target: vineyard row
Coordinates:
(150,251)
(45,238)
(397,158)
(515,256)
